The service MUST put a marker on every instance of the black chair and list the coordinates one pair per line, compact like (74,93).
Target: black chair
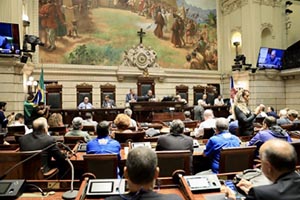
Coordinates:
(137,136)
(208,132)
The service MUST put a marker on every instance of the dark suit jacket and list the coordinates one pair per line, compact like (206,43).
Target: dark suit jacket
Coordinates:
(245,121)
(38,141)
(128,97)
(173,141)
(109,104)
(287,187)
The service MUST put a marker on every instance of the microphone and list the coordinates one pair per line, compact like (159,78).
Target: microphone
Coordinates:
(67,148)
(183,186)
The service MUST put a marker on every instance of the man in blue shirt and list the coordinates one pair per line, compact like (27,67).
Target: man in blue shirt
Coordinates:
(85,104)
(221,140)
(103,144)
(272,59)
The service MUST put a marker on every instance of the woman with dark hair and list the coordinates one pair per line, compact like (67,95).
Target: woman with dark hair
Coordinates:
(243,113)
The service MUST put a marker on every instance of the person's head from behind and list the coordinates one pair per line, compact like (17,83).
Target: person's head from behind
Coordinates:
(176,126)
(270,109)
(88,115)
(2,105)
(55,120)
(77,123)
(141,167)
(269,121)
(282,113)
(20,118)
(292,115)
(122,121)
(86,100)
(103,129)
(277,157)
(187,114)
(128,112)
(221,124)
(208,114)
(40,125)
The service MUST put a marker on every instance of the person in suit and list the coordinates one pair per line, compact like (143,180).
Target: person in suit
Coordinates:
(150,96)
(278,164)
(141,171)
(198,111)
(131,96)
(108,103)
(176,140)
(38,140)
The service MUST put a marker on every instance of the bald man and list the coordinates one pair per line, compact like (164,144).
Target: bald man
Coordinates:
(38,140)
(278,162)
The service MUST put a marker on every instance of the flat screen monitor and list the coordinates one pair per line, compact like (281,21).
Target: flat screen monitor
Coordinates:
(9,39)
(270,58)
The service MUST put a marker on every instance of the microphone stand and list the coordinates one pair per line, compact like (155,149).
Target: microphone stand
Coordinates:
(70,194)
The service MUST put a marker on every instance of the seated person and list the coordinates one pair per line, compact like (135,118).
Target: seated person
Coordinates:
(108,103)
(233,127)
(56,120)
(270,130)
(219,101)
(293,116)
(204,100)
(187,116)
(122,122)
(150,96)
(271,112)
(209,122)
(103,144)
(222,139)
(19,121)
(85,104)
(141,171)
(5,46)
(198,111)
(131,96)
(283,118)
(89,120)
(272,59)
(38,140)
(262,113)
(77,130)
(133,123)
(279,160)
(179,99)
(3,120)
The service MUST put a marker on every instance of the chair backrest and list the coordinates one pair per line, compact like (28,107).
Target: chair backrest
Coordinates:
(101,165)
(61,130)
(89,128)
(236,159)
(208,132)
(4,147)
(296,145)
(15,130)
(73,139)
(137,136)
(190,124)
(169,161)
(9,159)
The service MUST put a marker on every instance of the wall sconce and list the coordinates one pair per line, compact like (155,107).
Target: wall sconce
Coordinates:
(288,11)
(31,85)
(288,3)
(236,41)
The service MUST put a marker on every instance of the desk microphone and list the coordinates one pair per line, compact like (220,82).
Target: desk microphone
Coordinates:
(178,178)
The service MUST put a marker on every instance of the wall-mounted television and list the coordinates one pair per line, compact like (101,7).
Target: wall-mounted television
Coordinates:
(270,58)
(9,39)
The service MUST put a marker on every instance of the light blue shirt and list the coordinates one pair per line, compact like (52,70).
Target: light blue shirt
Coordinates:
(83,105)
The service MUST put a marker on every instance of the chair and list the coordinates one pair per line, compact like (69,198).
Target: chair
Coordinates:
(137,136)
(108,89)
(10,147)
(169,161)
(9,161)
(54,95)
(296,145)
(190,124)
(101,165)
(73,139)
(183,91)
(89,128)
(15,130)
(208,132)
(61,130)
(236,159)
(144,84)
(84,90)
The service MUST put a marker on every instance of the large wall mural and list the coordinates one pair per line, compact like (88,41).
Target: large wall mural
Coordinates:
(98,32)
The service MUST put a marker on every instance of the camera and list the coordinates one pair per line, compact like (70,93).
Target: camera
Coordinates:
(33,41)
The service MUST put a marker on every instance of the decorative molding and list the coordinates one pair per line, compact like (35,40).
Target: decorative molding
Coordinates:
(273,3)
(228,6)
(236,29)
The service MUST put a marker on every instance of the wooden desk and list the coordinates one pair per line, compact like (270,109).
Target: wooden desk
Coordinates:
(142,111)
(100,114)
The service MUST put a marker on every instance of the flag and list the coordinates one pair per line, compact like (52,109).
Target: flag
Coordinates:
(232,89)
(40,93)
